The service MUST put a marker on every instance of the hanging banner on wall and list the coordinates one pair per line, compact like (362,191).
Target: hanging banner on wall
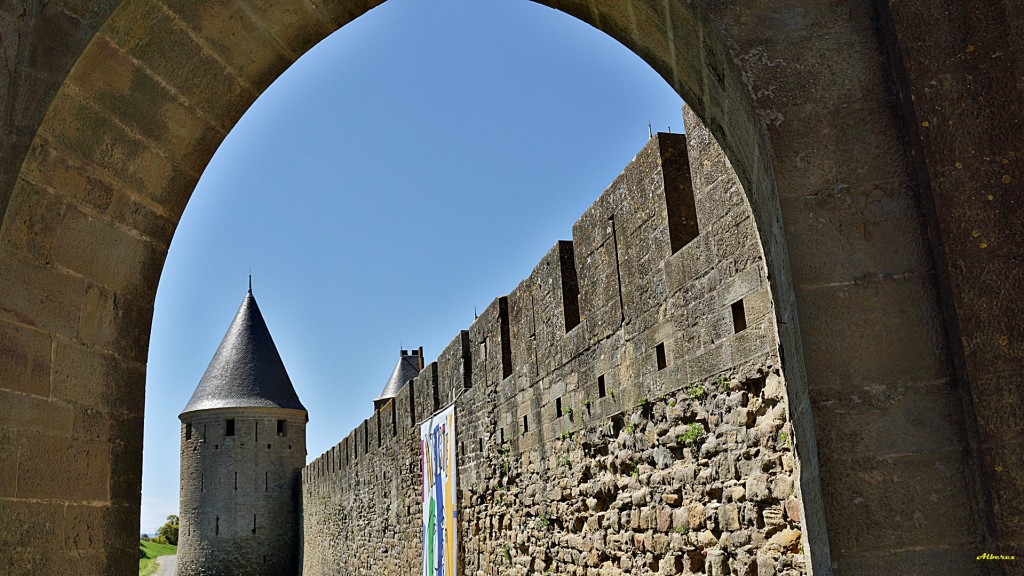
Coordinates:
(437,460)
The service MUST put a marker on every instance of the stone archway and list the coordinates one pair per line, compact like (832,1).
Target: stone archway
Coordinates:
(117,108)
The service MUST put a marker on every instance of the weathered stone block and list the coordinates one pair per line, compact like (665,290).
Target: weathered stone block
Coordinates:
(141,101)
(65,174)
(98,379)
(28,413)
(32,219)
(115,322)
(908,351)
(40,295)
(85,469)
(257,61)
(24,359)
(91,136)
(151,35)
(97,250)
(26,525)
(880,521)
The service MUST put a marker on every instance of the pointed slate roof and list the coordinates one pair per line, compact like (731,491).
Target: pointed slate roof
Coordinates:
(246,370)
(407,368)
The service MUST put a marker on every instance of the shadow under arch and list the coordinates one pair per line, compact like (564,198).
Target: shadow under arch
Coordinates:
(146,103)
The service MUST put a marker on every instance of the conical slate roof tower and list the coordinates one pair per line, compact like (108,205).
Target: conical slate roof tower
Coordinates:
(410,362)
(243,446)
(246,370)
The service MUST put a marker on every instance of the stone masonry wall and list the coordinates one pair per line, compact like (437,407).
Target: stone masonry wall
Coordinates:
(622,411)
(240,492)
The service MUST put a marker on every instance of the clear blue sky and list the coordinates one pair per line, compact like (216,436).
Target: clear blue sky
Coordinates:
(412,166)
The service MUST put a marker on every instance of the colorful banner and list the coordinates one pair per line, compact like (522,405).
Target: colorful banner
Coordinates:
(437,461)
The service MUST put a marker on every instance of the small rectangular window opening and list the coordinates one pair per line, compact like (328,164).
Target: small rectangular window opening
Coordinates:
(600,387)
(501,436)
(253,523)
(282,427)
(266,481)
(236,480)
(229,427)
(526,425)
(216,527)
(188,431)
(739,317)
(256,431)
(659,351)
(481,444)
(202,482)
(558,407)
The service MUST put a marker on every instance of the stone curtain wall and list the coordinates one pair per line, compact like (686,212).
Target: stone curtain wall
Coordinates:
(637,426)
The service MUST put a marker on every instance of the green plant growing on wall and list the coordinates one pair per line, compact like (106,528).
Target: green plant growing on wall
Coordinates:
(784,440)
(635,473)
(722,384)
(543,523)
(506,551)
(643,401)
(569,413)
(682,530)
(630,428)
(696,390)
(693,432)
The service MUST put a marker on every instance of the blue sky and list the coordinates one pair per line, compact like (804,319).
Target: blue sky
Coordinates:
(411,167)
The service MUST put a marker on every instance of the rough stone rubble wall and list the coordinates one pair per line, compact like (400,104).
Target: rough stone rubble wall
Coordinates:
(672,452)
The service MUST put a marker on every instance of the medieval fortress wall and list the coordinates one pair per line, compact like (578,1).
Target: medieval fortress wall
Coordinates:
(621,411)
(239,506)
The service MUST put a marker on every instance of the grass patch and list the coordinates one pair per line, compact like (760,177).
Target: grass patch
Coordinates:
(149,552)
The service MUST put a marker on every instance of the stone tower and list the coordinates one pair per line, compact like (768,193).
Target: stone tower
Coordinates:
(410,362)
(243,445)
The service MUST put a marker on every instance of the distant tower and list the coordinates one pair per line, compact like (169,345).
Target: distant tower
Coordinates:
(410,362)
(243,445)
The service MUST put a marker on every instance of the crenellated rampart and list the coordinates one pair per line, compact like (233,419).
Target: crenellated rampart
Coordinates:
(622,410)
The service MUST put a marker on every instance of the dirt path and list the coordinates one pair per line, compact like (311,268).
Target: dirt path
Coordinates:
(167,565)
